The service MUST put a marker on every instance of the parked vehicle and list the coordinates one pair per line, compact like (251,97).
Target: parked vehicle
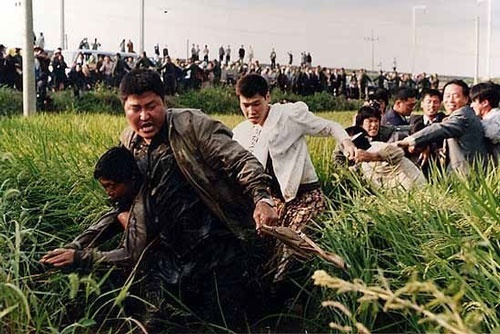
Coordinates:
(70,56)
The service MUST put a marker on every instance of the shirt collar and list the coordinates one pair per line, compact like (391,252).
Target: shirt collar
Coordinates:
(491,113)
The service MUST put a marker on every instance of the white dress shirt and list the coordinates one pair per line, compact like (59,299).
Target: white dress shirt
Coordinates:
(282,137)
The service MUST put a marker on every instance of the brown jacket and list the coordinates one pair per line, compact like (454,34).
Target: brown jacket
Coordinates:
(228,178)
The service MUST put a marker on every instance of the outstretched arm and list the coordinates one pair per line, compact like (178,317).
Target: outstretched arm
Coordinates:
(130,250)
(313,125)
(106,227)
(388,153)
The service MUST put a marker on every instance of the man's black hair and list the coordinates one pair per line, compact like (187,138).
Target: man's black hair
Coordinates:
(486,91)
(252,84)
(380,94)
(367,112)
(432,92)
(405,93)
(117,164)
(461,83)
(140,81)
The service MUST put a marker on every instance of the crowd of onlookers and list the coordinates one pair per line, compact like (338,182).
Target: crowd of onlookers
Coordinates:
(91,67)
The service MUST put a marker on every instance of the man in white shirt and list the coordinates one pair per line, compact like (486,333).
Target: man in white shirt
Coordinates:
(41,41)
(485,97)
(275,134)
(205,53)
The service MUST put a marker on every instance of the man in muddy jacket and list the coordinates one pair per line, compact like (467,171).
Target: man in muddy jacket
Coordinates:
(203,200)
(192,229)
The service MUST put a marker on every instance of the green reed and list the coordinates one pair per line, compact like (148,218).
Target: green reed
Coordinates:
(444,235)
(421,261)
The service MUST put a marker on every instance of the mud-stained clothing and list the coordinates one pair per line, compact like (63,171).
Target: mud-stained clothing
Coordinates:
(201,248)
(194,253)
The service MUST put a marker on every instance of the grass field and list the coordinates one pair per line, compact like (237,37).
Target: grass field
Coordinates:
(423,261)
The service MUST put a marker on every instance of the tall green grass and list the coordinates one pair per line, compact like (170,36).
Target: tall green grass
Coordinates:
(212,100)
(437,248)
(47,196)
(423,261)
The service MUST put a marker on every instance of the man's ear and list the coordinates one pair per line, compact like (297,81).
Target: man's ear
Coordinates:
(397,103)
(268,97)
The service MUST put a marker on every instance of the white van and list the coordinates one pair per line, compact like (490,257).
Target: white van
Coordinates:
(70,55)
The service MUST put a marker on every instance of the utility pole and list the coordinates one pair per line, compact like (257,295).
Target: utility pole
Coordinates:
(488,40)
(488,45)
(372,39)
(29,95)
(414,34)
(476,55)
(61,43)
(141,28)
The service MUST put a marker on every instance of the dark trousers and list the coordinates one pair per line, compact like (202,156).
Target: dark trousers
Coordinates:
(196,297)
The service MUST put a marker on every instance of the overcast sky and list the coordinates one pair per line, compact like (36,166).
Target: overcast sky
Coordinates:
(337,33)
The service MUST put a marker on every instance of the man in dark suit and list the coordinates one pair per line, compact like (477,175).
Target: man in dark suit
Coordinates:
(462,130)
(431,103)
(405,100)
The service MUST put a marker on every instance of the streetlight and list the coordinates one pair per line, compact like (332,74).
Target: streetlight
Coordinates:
(488,40)
(413,34)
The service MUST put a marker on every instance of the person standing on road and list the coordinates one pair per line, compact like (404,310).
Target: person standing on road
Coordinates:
(272,56)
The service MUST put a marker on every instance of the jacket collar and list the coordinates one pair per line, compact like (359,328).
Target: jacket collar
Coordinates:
(273,117)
